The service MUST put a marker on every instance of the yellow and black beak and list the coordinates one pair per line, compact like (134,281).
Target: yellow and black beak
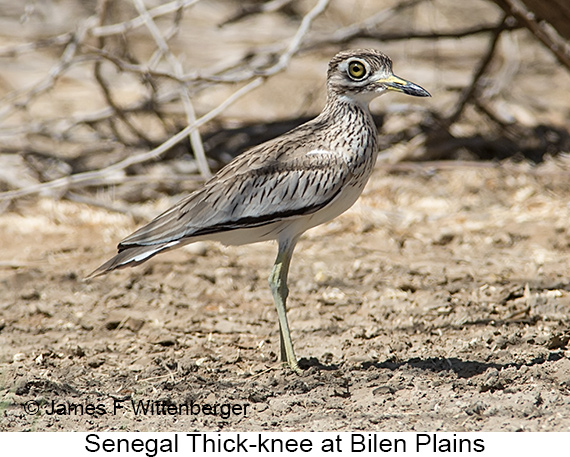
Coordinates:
(397,84)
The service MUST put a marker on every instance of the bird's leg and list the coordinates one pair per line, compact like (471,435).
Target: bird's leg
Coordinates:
(278,284)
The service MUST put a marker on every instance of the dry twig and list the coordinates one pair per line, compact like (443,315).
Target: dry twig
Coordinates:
(195,139)
(113,173)
(117,123)
(556,45)
(471,91)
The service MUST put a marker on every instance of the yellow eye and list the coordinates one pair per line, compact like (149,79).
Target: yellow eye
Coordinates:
(356,69)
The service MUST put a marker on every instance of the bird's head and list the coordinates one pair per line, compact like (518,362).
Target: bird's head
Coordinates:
(364,74)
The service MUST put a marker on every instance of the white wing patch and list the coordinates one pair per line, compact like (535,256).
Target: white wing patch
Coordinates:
(145,255)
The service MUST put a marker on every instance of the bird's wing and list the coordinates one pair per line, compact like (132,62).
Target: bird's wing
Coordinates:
(284,178)
(249,192)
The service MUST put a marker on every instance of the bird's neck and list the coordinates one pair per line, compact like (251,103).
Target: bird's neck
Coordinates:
(341,108)
(357,133)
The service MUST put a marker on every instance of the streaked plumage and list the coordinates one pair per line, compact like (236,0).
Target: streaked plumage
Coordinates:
(280,189)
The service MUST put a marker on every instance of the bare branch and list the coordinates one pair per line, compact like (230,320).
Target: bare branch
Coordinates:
(365,27)
(124,27)
(469,92)
(195,139)
(256,8)
(23,48)
(55,72)
(554,43)
(295,43)
(113,174)
(367,32)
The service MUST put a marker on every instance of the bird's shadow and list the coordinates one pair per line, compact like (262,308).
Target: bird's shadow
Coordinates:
(462,368)
(313,362)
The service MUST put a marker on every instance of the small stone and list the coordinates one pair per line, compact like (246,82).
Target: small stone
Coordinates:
(18,357)
(383,390)
(96,362)
(134,324)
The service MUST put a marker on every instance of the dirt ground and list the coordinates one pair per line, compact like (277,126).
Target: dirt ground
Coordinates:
(439,302)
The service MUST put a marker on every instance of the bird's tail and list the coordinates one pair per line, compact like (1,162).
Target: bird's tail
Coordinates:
(129,256)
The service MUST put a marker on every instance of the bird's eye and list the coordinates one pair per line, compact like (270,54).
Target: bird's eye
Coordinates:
(356,70)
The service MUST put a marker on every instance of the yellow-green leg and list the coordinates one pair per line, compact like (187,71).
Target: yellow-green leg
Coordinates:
(278,284)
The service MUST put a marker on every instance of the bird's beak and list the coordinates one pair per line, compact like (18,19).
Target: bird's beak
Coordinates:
(397,84)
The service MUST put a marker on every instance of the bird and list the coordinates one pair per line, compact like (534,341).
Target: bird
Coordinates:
(285,186)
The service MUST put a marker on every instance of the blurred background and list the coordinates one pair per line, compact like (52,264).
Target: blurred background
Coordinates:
(91,90)
(440,300)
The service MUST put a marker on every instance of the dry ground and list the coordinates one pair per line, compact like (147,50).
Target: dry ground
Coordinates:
(439,302)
